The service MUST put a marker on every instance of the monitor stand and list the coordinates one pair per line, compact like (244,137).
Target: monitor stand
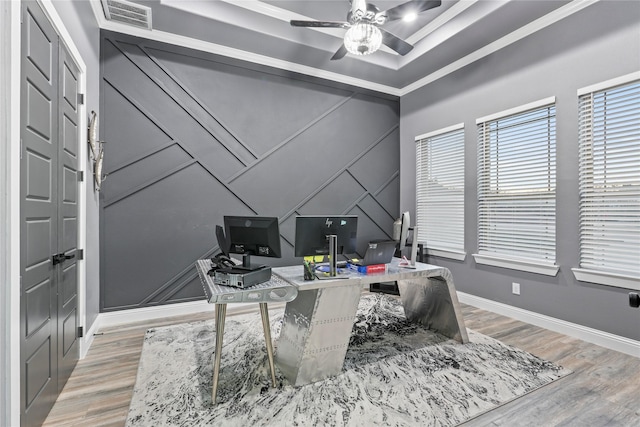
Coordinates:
(333,261)
(414,247)
(246,264)
(333,252)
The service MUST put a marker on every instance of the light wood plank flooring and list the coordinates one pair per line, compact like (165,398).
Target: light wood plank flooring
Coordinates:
(604,389)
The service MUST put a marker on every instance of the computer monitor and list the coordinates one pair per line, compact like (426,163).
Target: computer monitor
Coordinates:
(312,232)
(252,236)
(404,230)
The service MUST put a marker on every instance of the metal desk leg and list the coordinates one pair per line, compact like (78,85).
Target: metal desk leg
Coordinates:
(221,312)
(264,313)
(433,302)
(315,333)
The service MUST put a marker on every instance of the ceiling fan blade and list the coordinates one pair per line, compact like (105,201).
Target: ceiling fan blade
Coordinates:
(413,6)
(395,43)
(320,24)
(340,53)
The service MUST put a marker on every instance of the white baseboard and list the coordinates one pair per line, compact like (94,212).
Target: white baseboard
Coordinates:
(115,318)
(604,339)
(594,336)
(87,340)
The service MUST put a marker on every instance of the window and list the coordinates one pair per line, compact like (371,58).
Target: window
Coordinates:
(517,188)
(440,191)
(609,137)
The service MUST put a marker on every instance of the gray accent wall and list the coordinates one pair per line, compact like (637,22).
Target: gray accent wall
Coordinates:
(601,42)
(191,137)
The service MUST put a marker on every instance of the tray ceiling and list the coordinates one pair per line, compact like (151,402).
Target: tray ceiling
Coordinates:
(445,39)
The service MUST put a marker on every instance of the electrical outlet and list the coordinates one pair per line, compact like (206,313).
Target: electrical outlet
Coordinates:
(515,288)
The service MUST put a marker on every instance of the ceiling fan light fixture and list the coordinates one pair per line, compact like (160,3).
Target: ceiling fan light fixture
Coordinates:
(362,39)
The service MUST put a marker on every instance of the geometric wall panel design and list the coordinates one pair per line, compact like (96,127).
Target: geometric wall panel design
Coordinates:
(192,137)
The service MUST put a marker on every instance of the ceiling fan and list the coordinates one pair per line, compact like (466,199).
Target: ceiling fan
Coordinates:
(364,24)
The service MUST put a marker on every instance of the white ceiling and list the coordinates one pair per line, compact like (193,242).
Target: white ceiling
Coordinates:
(445,39)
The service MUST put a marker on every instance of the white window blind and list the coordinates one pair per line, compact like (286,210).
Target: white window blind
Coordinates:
(440,189)
(609,134)
(517,185)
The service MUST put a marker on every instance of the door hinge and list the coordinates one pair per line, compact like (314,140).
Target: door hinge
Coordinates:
(20,148)
(80,332)
(80,176)
(81,98)
(79,254)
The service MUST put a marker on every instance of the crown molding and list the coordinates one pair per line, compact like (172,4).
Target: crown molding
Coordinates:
(527,30)
(514,36)
(243,55)
(519,34)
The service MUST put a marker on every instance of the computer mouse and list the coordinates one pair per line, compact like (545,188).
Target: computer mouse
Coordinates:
(323,268)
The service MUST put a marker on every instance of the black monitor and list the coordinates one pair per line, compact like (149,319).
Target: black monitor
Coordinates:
(252,235)
(312,232)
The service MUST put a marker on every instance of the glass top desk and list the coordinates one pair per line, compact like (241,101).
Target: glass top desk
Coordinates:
(317,324)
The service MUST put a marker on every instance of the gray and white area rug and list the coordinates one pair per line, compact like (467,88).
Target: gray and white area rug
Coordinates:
(395,374)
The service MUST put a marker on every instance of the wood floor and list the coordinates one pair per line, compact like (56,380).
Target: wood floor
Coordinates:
(604,389)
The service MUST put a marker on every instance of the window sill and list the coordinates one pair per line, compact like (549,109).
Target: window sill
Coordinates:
(446,253)
(604,278)
(547,269)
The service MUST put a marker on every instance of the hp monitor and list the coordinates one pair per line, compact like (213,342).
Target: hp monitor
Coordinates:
(312,232)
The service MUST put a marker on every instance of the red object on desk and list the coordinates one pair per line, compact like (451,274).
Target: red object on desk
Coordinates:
(368,269)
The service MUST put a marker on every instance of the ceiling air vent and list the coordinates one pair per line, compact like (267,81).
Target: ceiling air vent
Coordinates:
(127,13)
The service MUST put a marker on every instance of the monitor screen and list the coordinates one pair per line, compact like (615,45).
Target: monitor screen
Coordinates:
(252,235)
(312,232)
